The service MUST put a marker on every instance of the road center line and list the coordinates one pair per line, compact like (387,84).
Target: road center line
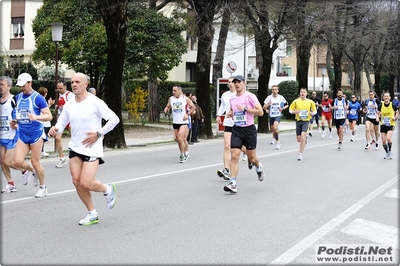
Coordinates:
(311,239)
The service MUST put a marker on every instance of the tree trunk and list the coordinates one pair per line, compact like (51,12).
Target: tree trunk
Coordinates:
(304,44)
(263,80)
(153,101)
(205,11)
(219,55)
(114,17)
(368,76)
(337,69)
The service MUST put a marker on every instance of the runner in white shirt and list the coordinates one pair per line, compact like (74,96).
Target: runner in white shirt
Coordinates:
(85,113)
(274,104)
(224,108)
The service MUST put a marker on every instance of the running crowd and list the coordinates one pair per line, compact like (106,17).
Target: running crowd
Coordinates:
(25,127)
(240,106)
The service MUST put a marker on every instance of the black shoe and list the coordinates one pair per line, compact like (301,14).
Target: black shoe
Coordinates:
(190,143)
(250,164)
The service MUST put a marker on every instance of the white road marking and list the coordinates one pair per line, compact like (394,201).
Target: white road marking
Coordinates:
(394,193)
(373,231)
(311,239)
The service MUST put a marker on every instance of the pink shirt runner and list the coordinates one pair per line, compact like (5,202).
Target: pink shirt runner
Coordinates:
(243,118)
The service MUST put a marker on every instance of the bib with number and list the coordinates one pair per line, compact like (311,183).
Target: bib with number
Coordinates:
(239,118)
(303,114)
(22,115)
(386,121)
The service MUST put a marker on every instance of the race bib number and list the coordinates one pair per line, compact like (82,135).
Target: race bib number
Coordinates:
(177,107)
(239,118)
(370,111)
(353,111)
(386,121)
(340,112)
(22,115)
(325,108)
(4,123)
(275,111)
(303,114)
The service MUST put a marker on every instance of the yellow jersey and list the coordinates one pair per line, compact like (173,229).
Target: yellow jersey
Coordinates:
(387,113)
(306,108)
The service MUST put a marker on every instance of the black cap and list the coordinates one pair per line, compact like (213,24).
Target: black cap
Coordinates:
(238,77)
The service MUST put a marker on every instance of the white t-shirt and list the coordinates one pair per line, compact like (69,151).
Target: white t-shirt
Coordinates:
(225,107)
(86,116)
(276,103)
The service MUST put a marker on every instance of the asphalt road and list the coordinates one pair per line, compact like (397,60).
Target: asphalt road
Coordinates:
(172,213)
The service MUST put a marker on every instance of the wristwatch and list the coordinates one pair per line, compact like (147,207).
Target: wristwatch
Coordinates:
(245,108)
(99,134)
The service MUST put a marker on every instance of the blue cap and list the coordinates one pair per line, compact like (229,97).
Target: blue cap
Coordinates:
(239,77)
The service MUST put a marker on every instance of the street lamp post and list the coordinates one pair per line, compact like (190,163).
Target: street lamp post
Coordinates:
(323,72)
(56,33)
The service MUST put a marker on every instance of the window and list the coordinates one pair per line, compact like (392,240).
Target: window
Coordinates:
(289,51)
(17,27)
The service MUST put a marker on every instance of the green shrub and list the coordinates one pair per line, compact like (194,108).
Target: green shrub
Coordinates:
(289,90)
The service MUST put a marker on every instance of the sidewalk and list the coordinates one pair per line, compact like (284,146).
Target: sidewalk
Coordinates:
(140,142)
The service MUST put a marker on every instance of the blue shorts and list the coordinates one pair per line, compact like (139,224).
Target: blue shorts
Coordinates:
(32,137)
(273,119)
(9,143)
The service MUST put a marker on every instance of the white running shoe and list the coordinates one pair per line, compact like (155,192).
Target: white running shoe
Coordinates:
(352,138)
(9,188)
(244,157)
(323,134)
(299,157)
(339,147)
(273,141)
(386,156)
(260,174)
(368,146)
(61,162)
(89,220)
(42,192)
(183,158)
(231,187)
(26,177)
(278,145)
(45,154)
(224,174)
(330,135)
(111,198)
